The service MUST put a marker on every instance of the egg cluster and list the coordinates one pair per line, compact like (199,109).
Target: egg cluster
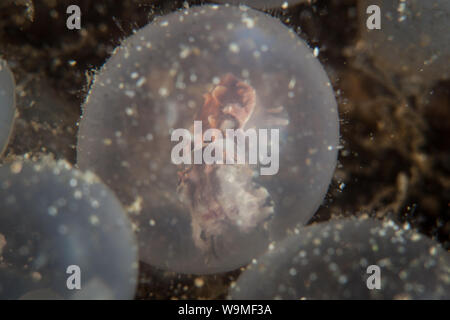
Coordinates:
(223,67)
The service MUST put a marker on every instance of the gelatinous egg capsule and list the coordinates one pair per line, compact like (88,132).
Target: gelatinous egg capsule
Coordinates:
(349,259)
(220,68)
(7,104)
(263,4)
(63,235)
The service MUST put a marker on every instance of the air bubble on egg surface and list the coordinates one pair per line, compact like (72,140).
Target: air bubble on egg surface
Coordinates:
(227,68)
(330,261)
(7,104)
(416,33)
(53,217)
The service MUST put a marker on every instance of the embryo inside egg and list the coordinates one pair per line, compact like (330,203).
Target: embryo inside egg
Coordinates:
(145,127)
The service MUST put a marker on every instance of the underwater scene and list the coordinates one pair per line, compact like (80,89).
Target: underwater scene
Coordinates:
(225,149)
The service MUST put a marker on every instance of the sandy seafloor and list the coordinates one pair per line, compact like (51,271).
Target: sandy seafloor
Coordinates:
(394,161)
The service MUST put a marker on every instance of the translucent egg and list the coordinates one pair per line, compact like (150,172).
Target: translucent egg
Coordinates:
(337,260)
(63,235)
(7,104)
(416,33)
(226,68)
(263,4)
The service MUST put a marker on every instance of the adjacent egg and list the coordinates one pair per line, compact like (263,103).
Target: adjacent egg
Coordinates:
(63,235)
(7,104)
(227,68)
(349,259)
(416,33)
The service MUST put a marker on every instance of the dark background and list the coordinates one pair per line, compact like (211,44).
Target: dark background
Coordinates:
(394,161)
